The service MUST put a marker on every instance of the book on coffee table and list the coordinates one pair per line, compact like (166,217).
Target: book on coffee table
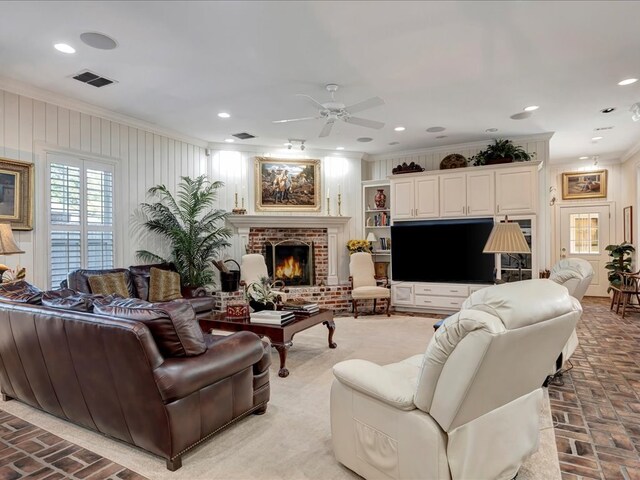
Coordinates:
(301,307)
(272,317)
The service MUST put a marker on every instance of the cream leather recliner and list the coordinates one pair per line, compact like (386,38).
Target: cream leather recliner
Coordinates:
(468,407)
(575,274)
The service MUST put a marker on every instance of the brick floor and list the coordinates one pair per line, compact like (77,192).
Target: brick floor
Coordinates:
(597,410)
(27,451)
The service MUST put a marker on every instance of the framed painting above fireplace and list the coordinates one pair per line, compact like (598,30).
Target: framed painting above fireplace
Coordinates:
(287,185)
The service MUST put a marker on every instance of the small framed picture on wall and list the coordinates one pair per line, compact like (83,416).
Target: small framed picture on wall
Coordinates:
(627,219)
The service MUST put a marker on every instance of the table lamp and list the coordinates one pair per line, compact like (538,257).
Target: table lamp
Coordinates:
(371,238)
(8,245)
(507,237)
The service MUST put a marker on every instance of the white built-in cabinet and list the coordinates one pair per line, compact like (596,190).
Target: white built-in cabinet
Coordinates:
(466,192)
(489,191)
(417,197)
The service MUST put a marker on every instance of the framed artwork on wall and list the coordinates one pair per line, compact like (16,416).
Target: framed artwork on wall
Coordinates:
(577,185)
(627,216)
(287,185)
(16,194)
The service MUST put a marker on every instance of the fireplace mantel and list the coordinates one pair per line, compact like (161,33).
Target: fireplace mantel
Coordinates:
(287,221)
(335,226)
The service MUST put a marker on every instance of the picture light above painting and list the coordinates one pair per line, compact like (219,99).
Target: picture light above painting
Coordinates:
(16,194)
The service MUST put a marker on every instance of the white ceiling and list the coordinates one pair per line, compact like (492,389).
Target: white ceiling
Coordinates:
(465,66)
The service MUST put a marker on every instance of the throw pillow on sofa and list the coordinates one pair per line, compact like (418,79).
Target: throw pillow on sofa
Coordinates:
(164,285)
(108,284)
(140,275)
(173,324)
(21,292)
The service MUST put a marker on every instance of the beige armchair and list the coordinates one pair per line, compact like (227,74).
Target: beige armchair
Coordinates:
(252,268)
(364,285)
(575,274)
(466,408)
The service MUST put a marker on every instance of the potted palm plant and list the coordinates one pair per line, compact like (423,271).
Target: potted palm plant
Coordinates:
(500,151)
(194,230)
(620,261)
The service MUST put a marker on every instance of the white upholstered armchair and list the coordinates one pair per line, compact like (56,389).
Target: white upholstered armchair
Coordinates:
(576,275)
(466,408)
(364,285)
(252,268)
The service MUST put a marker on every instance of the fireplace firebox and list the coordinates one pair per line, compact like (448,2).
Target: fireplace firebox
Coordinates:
(290,261)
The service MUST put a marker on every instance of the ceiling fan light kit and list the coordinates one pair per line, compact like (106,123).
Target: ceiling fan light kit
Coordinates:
(333,111)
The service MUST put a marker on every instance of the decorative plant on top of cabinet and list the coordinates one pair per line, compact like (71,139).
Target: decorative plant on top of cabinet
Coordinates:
(501,151)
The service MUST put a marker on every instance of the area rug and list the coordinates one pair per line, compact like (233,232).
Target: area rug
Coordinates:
(293,439)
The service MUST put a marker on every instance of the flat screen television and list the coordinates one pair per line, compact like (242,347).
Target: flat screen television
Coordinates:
(442,251)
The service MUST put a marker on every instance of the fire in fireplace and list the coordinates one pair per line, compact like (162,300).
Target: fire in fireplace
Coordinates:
(290,261)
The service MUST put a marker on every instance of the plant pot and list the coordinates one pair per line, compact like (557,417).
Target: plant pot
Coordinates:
(259,306)
(497,161)
(192,292)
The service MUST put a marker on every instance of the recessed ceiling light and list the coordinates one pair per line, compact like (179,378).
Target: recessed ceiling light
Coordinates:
(520,115)
(224,115)
(628,81)
(394,143)
(365,139)
(339,148)
(399,129)
(435,129)
(64,48)
(607,110)
(491,130)
(595,139)
(98,40)
(441,136)
(583,158)
(531,108)
(229,140)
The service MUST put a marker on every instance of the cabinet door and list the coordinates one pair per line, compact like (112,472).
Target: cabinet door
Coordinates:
(402,294)
(427,197)
(453,195)
(402,199)
(480,193)
(516,191)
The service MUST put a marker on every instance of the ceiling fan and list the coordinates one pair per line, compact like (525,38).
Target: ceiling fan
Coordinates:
(333,111)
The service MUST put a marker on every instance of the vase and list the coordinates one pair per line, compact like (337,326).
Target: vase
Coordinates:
(380,199)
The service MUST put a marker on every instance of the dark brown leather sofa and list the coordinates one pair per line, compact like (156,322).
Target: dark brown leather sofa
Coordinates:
(108,374)
(137,278)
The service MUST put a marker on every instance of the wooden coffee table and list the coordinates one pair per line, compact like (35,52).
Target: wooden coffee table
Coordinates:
(281,336)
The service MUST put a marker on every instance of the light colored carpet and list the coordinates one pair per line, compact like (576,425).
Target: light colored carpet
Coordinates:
(293,439)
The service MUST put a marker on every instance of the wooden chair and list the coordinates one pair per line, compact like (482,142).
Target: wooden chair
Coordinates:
(364,285)
(628,287)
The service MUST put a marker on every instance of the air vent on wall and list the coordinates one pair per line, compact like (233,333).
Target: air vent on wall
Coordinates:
(93,79)
(244,136)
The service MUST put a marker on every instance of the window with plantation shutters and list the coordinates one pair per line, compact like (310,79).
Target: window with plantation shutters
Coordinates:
(80,216)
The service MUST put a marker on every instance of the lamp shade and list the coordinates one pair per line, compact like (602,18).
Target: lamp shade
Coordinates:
(371,237)
(506,237)
(8,245)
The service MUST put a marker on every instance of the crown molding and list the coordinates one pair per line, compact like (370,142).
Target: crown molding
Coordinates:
(630,153)
(36,93)
(279,152)
(445,148)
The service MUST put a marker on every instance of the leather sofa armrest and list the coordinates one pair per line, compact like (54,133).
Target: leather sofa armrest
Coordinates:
(179,377)
(374,381)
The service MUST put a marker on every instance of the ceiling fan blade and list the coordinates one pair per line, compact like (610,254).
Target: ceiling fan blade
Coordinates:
(364,105)
(316,103)
(363,122)
(326,130)
(295,119)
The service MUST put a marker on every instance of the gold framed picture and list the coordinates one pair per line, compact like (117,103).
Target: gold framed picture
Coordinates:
(16,194)
(577,185)
(287,185)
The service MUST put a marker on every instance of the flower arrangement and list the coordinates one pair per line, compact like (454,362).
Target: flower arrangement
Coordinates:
(262,292)
(358,246)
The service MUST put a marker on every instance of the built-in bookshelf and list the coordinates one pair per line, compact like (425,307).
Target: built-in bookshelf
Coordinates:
(377,220)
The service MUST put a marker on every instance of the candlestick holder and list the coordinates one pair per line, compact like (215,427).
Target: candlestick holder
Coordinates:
(339,204)
(236,210)
(328,206)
